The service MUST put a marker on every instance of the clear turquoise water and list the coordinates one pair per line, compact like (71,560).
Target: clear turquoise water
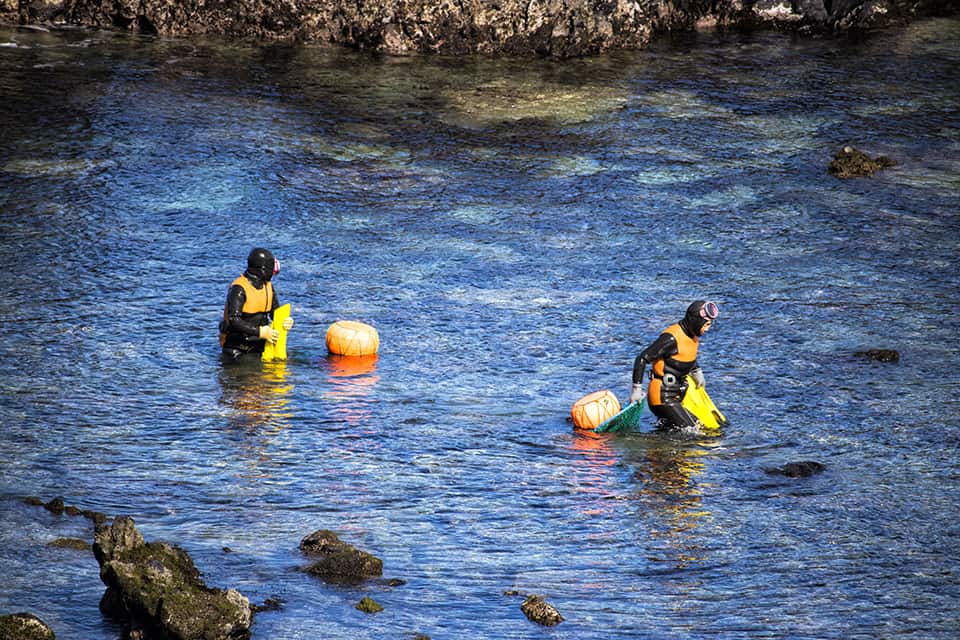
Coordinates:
(516,231)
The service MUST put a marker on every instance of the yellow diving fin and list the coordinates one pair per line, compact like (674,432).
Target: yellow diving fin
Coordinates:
(277,350)
(697,402)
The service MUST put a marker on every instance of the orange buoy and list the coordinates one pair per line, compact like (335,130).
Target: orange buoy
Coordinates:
(352,338)
(591,410)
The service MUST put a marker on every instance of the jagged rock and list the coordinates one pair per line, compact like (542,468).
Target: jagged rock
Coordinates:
(337,561)
(369,605)
(802,469)
(156,587)
(554,28)
(540,611)
(851,163)
(880,355)
(24,626)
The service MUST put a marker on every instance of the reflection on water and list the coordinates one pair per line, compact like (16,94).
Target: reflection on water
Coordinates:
(595,460)
(352,381)
(669,471)
(255,397)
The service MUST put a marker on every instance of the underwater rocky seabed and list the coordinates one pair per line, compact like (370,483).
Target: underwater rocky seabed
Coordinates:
(516,231)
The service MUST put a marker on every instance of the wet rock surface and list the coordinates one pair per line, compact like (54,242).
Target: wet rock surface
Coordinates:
(70,543)
(540,611)
(336,561)
(555,28)
(155,589)
(801,469)
(57,506)
(853,163)
(24,626)
(880,355)
(369,605)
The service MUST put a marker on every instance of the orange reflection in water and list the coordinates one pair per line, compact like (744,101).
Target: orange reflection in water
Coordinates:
(669,473)
(352,381)
(592,471)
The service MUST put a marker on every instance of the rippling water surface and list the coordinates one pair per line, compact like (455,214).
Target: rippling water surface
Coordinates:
(517,231)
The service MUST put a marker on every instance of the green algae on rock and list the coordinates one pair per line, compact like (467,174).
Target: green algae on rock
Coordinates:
(155,586)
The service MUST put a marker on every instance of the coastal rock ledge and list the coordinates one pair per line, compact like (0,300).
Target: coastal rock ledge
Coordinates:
(155,589)
(552,28)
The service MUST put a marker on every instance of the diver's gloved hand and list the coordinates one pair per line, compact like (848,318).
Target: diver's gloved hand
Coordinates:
(269,334)
(288,324)
(697,375)
(637,392)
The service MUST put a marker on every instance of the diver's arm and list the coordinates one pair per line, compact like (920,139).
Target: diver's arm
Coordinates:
(236,298)
(665,345)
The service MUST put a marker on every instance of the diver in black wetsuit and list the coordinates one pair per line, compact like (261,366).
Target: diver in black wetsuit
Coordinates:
(673,356)
(251,299)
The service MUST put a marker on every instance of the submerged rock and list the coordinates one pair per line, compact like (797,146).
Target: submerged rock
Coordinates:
(156,587)
(852,163)
(802,469)
(58,507)
(24,626)
(55,506)
(880,355)
(540,611)
(337,561)
(369,605)
(70,543)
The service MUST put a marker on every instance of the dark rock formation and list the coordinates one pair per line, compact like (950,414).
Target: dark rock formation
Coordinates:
(337,561)
(803,469)
(880,355)
(157,588)
(270,604)
(55,506)
(540,611)
(558,28)
(58,507)
(851,163)
(24,626)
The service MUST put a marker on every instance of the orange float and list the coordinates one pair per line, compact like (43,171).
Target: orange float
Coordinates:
(352,338)
(591,410)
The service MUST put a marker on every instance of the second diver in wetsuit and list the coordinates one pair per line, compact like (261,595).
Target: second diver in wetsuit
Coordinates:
(673,356)
(247,314)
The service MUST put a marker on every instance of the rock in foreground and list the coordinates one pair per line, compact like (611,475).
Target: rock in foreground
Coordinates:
(156,587)
(24,626)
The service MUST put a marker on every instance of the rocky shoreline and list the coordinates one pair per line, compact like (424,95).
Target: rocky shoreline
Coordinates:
(549,28)
(154,591)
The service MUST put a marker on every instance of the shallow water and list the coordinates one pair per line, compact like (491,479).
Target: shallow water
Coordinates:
(517,232)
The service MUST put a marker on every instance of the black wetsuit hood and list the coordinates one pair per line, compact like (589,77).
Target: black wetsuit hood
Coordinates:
(260,267)
(693,321)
